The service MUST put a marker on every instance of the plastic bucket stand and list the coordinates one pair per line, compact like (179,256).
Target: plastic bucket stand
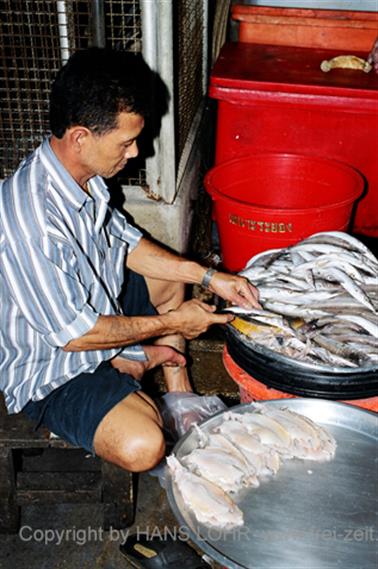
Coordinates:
(252,390)
(270,201)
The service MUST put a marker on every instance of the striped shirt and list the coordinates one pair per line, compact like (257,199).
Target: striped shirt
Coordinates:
(62,259)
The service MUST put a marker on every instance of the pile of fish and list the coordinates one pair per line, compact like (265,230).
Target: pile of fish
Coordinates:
(319,299)
(242,450)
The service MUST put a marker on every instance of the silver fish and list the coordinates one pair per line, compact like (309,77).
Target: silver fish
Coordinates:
(341,239)
(284,295)
(330,281)
(337,304)
(332,359)
(338,259)
(332,320)
(260,316)
(319,248)
(362,322)
(331,273)
(260,260)
(364,340)
(370,281)
(355,355)
(254,274)
(294,311)
(352,241)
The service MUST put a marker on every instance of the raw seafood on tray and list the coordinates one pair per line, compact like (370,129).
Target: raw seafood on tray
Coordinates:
(319,299)
(242,451)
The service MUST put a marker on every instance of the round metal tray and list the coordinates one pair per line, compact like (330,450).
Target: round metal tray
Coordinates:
(301,378)
(313,515)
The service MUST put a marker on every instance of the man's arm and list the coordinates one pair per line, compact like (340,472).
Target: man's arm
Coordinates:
(150,260)
(190,320)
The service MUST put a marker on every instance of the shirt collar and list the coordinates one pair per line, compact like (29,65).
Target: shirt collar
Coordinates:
(100,194)
(64,182)
(98,188)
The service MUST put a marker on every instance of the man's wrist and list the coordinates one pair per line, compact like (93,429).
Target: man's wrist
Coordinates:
(169,320)
(205,282)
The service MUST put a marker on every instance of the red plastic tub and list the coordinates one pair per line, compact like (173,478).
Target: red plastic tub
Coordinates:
(276,99)
(251,389)
(274,200)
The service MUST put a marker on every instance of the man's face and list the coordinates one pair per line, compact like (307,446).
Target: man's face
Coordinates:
(107,154)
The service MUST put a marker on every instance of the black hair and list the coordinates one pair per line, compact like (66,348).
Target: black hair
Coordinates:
(94,86)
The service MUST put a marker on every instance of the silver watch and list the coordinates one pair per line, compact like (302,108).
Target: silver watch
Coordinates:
(207,277)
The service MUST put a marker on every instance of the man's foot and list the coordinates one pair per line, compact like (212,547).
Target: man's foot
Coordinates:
(157,355)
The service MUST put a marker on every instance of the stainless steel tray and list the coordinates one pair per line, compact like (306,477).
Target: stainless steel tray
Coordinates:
(310,515)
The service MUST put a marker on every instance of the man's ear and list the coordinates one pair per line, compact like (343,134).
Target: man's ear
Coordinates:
(78,136)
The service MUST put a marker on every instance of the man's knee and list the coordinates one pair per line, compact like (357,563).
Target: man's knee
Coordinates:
(135,451)
(130,434)
(142,452)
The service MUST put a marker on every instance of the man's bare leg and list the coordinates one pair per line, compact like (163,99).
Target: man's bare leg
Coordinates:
(166,296)
(130,434)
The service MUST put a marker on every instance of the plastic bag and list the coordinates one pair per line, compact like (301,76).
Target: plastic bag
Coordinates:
(181,410)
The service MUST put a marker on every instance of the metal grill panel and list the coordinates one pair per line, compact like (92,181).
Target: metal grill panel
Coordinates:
(33,34)
(189,38)
(123,24)
(30,55)
(33,41)
(123,30)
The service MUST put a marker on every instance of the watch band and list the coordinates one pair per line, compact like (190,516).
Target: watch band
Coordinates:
(207,277)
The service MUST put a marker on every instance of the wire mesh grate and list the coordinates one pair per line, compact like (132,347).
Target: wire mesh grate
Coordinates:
(37,35)
(31,42)
(189,37)
(123,24)
(123,29)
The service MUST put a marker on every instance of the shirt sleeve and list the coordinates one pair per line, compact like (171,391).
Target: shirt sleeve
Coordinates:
(122,229)
(135,353)
(40,276)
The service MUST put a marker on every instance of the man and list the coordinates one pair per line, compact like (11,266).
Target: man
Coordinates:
(71,336)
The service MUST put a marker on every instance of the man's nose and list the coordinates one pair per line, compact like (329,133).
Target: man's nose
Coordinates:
(132,151)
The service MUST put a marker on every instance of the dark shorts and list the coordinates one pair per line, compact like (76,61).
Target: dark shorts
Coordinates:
(74,410)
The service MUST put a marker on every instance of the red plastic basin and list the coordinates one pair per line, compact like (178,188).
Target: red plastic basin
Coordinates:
(266,201)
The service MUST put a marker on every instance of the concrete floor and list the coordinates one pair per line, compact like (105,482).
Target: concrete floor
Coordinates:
(84,545)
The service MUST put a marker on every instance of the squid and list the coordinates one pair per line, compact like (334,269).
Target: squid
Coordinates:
(222,468)
(209,503)
(263,459)
(269,431)
(309,440)
(237,453)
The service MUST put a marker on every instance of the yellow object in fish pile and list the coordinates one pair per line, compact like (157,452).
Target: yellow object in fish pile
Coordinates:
(249,328)
(245,327)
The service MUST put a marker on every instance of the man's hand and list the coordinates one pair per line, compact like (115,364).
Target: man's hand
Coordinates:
(194,317)
(373,56)
(235,289)
(157,355)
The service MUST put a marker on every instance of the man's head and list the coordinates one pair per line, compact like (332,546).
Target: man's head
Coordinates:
(96,85)
(97,108)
